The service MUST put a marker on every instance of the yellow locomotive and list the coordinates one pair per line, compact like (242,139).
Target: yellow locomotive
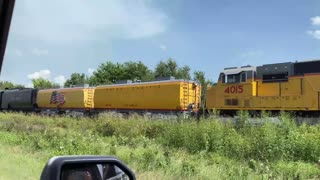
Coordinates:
(282,86)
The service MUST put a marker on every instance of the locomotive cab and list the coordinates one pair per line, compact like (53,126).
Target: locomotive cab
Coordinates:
(237,75)
(235,87)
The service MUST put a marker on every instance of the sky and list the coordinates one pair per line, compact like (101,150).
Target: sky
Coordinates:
(52,39)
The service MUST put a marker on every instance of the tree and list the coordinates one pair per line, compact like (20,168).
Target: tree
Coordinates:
(184,73)
(137,71)
(109,73)
(9,85)
(76,79)
(171,68)
(43,84)
(199,76)
(162,70)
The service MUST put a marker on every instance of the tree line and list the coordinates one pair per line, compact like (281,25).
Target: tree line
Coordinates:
(110,73)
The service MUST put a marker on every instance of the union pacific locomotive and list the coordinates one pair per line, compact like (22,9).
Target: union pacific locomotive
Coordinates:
(290,86)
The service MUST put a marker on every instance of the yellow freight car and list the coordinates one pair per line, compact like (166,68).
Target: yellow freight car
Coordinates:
(281,86)
(159,96)
(66,99)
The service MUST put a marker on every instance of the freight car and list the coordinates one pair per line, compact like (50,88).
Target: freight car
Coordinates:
(164,97)
(23,99)
(171,96)
(291,86)
(71,101)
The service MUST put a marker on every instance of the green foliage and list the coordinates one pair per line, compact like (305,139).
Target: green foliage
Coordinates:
(171,68)
(242,120)
(185,150)
(76,79)
(137,71)
(42,83)
(14,160)
(199,76)
(183,73)
(296,170)
(109,72)
(9,85)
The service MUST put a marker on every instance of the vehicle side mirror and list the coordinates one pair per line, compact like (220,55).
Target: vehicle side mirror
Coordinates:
(86,168)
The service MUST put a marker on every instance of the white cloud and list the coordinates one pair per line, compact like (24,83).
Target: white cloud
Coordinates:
(163,47)
(315,20)
(45,74)
(60,80)
(40,52)
(62,20)
(315,34)
(90,71)
(40,74)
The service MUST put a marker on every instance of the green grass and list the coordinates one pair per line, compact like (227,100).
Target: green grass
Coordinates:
(18,164)
(181,149)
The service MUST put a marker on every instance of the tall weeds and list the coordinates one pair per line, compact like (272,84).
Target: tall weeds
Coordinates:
(184,149)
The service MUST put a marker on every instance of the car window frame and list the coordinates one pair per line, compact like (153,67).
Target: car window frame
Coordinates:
(6,11)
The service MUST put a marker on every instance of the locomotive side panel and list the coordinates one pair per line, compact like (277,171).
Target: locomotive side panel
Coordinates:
(268,89)
(211,103)
(291,94)
(311,89)
(269,103)
(292,103)
(293,87)
(232,96)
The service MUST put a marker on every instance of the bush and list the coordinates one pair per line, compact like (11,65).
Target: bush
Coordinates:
(186,149)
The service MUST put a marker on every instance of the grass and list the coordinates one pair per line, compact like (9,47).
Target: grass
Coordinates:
(181,149)
(17,164)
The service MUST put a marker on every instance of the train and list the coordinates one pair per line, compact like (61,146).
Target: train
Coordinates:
(288,86)
(180,97)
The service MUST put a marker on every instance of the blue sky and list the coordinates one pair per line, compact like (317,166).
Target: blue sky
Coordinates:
(53,39)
